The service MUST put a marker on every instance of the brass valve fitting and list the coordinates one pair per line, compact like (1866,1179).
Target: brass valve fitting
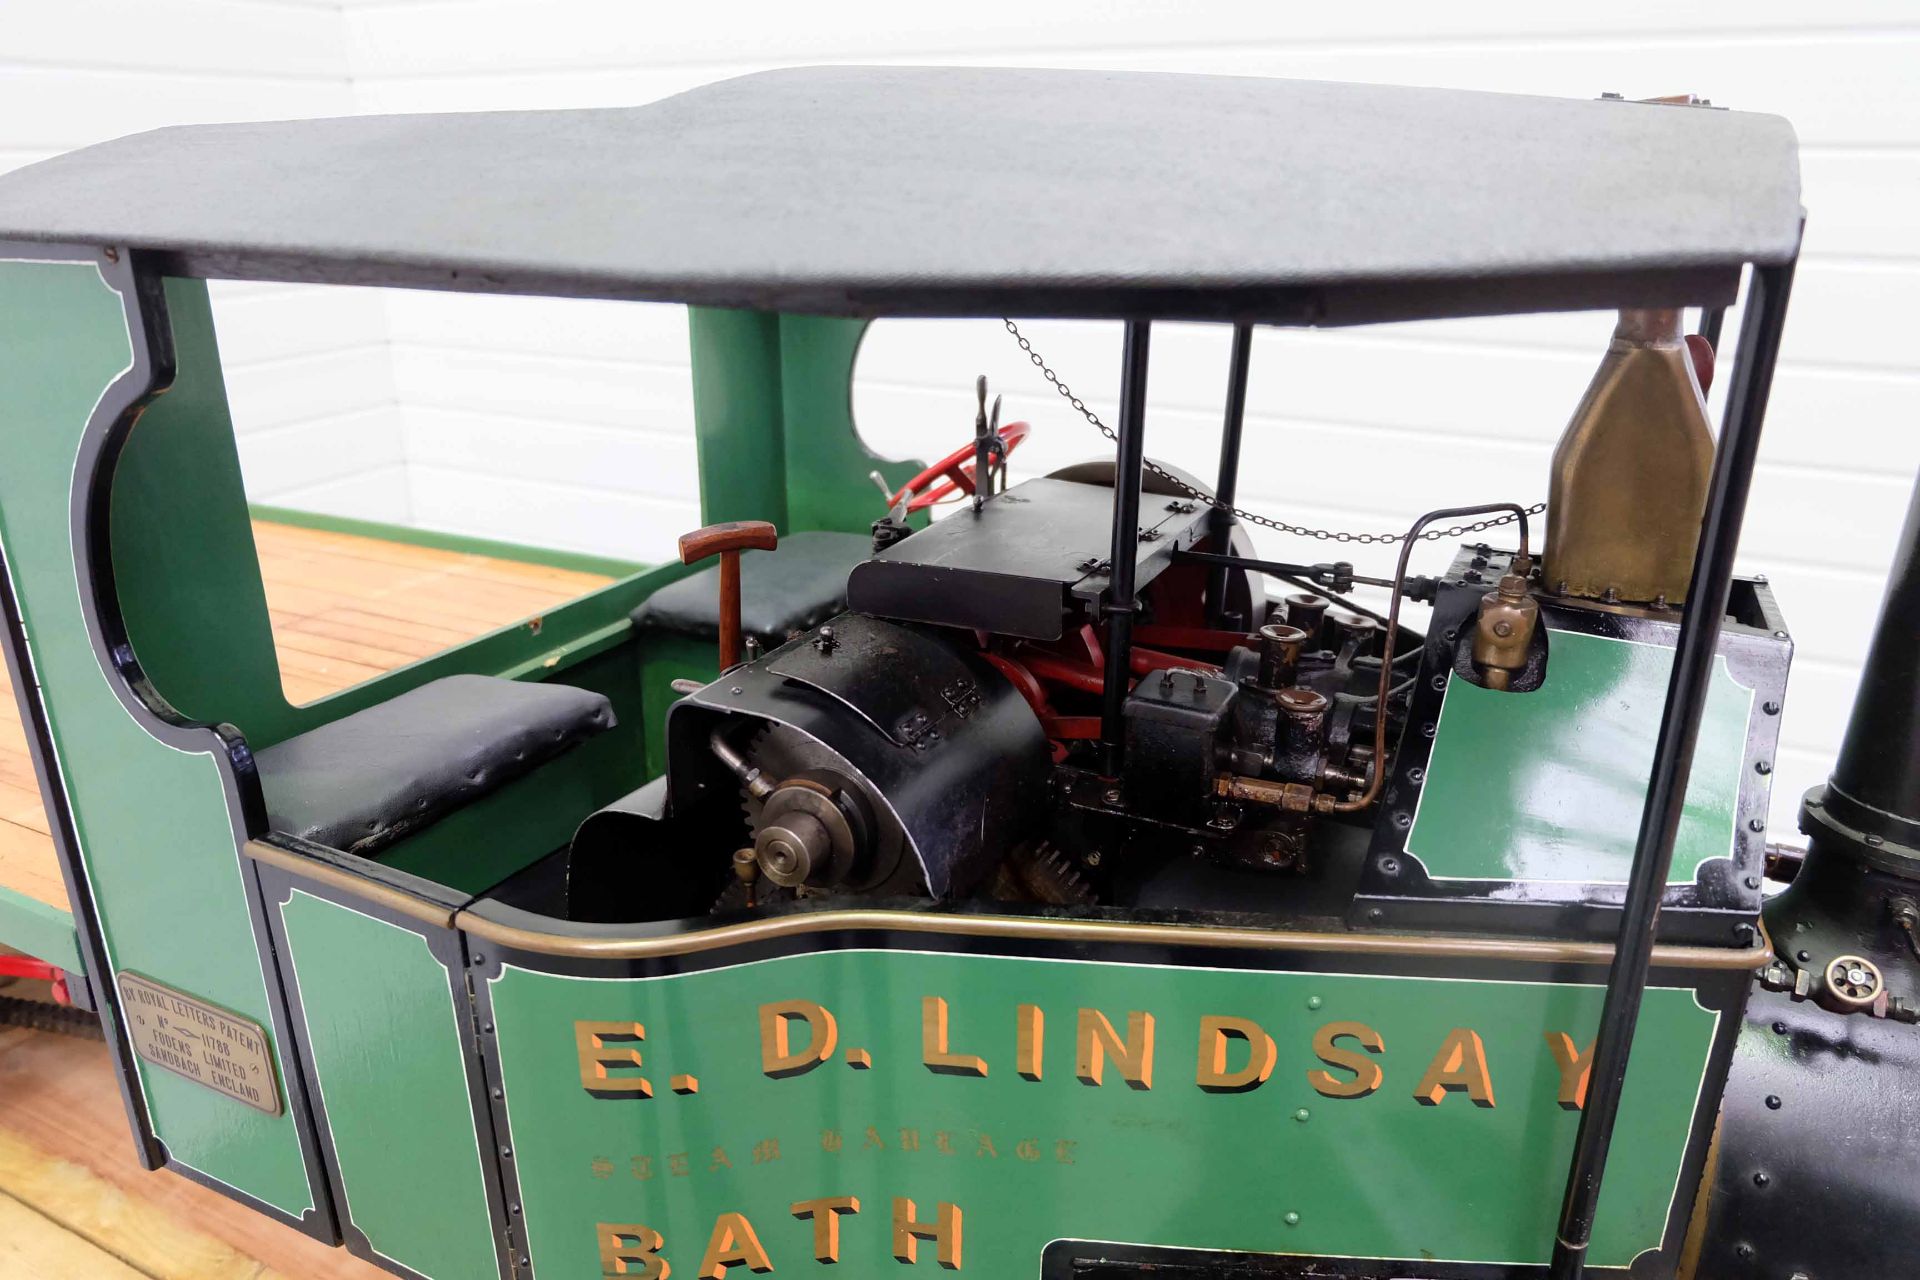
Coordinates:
(1508,616)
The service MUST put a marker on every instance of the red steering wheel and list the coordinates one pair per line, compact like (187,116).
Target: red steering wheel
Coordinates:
(957,470)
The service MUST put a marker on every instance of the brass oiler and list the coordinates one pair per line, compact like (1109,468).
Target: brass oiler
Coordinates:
(1508,615)
(1629,477)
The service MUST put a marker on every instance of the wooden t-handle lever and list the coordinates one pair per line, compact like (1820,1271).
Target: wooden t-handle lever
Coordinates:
(727,541)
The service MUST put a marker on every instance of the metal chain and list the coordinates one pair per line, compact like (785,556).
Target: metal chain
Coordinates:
(1280,526)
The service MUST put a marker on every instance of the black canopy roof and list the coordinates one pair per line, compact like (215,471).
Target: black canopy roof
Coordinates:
(870,190)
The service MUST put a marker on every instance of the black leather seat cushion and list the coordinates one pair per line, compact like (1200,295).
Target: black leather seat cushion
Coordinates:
(368,779)
(799,584)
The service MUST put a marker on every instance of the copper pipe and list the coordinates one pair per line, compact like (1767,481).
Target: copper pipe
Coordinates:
(1376,775)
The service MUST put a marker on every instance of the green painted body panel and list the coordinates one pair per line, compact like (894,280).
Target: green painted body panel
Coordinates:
(156,839)
(1030,1161)
(33,928)
(1549,785)
(183,548)
(382,1030)
(773,409)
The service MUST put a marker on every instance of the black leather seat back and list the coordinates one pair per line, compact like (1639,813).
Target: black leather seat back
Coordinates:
(371,778)
(796,586)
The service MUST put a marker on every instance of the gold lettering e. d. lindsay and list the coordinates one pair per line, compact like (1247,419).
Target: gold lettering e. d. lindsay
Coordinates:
(934,1051)
(1097,1041)
(778,1057)
(1575,1066)
(1217,1036)
(1367,1075)
(1459,1065)
(604,1069)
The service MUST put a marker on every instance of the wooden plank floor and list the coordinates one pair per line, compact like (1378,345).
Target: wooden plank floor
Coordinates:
(76,1205)
(74,1201)
(344,609)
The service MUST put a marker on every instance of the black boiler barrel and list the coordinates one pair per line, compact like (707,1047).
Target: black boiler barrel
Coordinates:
(1875,789)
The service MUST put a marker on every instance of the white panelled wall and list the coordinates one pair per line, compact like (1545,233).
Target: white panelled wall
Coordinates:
(569,423)
(310,375)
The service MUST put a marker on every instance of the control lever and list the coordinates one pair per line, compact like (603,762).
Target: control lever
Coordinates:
(727,541)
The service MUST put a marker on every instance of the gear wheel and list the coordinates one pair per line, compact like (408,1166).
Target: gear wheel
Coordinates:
(1042,873)
(784,755)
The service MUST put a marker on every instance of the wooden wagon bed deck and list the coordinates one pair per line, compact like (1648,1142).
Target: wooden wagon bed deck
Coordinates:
(345,608)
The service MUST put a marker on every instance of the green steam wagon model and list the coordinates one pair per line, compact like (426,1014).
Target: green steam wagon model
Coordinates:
(1023,893)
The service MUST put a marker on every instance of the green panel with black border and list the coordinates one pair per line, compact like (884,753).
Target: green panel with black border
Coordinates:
(728,1136)
(1549,785)
(390,1074)
(154,823)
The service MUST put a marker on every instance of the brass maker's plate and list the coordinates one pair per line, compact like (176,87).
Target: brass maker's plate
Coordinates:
(191,1038)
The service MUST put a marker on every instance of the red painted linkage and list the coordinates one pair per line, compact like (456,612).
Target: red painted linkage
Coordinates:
(28,967)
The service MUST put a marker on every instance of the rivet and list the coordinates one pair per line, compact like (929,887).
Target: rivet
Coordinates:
(488,1028)
(514,1209)
(1875,841)
(1403,820)
(1744,1250)
(1773,1102)
(499,1095)
(1390,866)
(1779,1028)
(1803,955)
(1302,1115)
(506,1153)
(1757,824)
(1314,1002)
(1376,915)
(478,959)
(1761,1179)
(736,690)
(1439,682)
(1753,882)
(1292,1219)
(1416,775)
(1743,932)
(1771,708)
(1779,635)
(1762,767)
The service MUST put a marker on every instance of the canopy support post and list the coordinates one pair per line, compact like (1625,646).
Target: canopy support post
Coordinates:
(1711,318)
(1126,537)
(1694,652)
(1225,490)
